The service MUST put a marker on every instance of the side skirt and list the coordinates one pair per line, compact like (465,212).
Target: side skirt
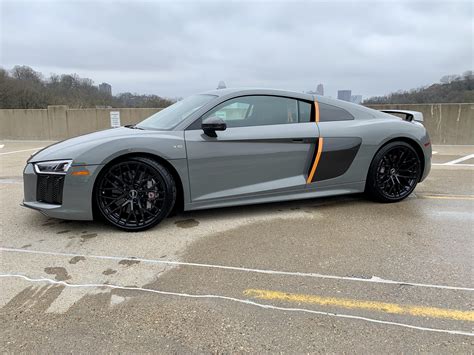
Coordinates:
(333,190)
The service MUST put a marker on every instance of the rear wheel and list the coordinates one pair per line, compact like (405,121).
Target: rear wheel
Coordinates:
(135,194)
(394,172)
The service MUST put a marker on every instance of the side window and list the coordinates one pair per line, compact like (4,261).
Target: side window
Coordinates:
(304,109)
(333,113)
(256,111)
(234,110)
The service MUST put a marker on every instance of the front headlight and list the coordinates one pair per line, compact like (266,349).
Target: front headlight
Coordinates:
(53,167)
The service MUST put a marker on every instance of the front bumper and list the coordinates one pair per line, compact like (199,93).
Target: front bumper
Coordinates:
(76,202)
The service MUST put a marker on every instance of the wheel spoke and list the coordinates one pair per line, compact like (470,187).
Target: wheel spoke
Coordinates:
(113,183)
(115,209)
(129,213)
(113,201)
(140,208)
(413,176)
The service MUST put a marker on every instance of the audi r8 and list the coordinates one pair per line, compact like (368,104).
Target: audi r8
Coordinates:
(226,148)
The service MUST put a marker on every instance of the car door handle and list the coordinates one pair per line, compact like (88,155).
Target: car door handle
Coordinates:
(307,140)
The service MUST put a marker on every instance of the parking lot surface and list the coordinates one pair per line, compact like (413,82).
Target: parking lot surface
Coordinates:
(339,274)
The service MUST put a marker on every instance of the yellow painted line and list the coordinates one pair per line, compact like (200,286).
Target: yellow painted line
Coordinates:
(448,197)
(393,308)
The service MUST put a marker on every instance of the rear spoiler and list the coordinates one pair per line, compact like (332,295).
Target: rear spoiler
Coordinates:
(409,115)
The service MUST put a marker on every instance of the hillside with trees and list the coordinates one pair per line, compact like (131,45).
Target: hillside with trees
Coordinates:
(22,87)
(452,88)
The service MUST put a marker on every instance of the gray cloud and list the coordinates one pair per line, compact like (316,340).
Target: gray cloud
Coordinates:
(178,48)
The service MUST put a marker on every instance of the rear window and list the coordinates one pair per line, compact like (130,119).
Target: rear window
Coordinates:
(332,113)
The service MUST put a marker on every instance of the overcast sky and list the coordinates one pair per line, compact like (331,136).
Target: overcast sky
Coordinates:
(179,48)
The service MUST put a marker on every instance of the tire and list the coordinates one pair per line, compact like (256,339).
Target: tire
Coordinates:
(135,194)
(393,173)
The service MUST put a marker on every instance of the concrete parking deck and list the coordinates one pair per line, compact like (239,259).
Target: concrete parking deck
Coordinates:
(337,274)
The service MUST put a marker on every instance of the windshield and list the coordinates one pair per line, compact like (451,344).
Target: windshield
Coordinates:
(176,113)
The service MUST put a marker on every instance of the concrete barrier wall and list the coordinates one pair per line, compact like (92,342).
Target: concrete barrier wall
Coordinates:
(446,123)
(60,122)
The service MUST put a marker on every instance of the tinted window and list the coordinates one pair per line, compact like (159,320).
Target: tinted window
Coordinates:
(256,111)
(333,113)
(304,111)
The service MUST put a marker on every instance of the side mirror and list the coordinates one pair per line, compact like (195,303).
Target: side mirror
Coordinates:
(213,124)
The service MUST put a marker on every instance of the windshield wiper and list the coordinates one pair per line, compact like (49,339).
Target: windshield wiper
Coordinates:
(132,126)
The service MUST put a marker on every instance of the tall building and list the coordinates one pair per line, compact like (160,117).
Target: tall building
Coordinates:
(357,99)
(221,85)
(344,95)
(320,90)
(105,88)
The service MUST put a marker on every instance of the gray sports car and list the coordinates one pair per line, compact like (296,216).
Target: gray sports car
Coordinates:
(226,148)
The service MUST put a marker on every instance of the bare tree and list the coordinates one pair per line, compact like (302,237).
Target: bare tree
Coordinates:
(453,88)
(23,87)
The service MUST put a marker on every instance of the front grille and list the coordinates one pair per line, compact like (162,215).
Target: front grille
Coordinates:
(49,189)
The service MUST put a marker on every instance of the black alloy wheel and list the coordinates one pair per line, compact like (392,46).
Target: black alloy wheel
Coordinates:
(394,172)
(135,194)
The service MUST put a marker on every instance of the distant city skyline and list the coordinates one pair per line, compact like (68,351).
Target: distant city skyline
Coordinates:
(105,88)
(221,85)
(344,95)
(320,89)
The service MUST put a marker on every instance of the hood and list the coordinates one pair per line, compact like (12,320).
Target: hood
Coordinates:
(74,147)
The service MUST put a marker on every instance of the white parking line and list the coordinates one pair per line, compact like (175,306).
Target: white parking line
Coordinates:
(21,151)
(239,300)
(11,181)
(452,165)
(2,145)
(373,279)
(456,161)
(434,153)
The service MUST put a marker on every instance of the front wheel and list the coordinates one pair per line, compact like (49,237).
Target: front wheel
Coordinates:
(394,172)
(135,194)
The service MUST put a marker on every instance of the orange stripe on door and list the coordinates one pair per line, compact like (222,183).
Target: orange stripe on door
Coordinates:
(320,146)
(316,111)
(316,161)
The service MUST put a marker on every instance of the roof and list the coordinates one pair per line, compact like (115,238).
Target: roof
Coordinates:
(259,91)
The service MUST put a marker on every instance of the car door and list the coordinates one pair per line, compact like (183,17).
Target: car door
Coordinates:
(267,148)
(338,159)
